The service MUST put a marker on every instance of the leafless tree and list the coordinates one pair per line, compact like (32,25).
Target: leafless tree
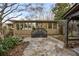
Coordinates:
(8,8)
(3,10)
(35,10)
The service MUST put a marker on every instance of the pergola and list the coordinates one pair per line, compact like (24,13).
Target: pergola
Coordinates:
(71,15)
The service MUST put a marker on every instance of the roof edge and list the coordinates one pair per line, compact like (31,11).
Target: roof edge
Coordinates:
(70,9)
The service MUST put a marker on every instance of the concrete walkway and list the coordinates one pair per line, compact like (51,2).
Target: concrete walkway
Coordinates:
(46,47)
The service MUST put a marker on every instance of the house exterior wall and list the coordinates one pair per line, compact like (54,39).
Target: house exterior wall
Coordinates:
(21,33)
(50,31)
(27,33)
(53,30)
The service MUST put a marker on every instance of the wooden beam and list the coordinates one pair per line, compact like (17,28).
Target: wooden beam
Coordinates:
(75,7)
(67,34)
(74,14)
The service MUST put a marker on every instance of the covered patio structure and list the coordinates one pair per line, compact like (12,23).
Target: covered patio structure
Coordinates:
(72,25)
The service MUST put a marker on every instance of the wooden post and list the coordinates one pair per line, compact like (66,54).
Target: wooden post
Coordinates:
(66,33)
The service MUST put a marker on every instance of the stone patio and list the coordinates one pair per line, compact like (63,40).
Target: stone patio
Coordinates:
(46,47)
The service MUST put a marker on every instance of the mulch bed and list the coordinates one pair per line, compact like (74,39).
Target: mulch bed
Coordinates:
(18,50)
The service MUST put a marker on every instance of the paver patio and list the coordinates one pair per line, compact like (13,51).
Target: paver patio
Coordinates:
(46,47)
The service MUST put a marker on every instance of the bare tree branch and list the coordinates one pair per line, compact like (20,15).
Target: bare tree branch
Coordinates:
(26,7)
(12,4)
(10,11)
(4,7)
(12,17)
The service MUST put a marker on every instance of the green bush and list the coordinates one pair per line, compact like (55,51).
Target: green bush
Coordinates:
(7,44)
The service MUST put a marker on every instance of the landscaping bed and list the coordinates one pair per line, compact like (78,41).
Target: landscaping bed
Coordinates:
(12,46)
(18,50)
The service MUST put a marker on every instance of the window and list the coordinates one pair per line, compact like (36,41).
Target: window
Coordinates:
(17,26)
(21,26)
(54,25)
(27,26)
(50,25)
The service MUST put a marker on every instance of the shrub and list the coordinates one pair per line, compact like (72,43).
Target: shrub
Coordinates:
(7,44)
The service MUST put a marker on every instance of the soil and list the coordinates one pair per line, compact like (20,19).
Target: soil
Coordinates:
(18,50)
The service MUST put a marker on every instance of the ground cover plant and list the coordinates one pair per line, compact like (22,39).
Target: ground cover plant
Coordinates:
(8,43)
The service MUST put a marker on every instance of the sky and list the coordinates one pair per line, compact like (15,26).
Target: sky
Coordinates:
(47,7)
